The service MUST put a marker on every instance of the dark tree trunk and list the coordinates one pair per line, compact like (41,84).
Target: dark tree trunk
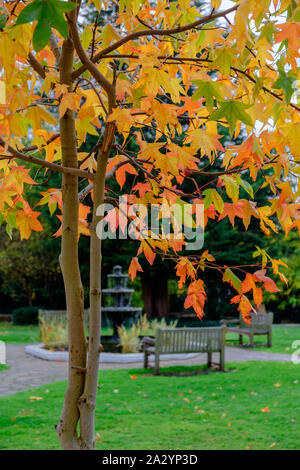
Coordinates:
(155,294)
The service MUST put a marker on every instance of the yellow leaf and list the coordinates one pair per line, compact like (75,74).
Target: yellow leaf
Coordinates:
(231,186)
(68,101)
(2,92)
(215,4)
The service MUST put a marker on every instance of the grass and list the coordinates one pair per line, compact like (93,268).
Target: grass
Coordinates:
(282,339)
(254,406)
(26,334)
(19,334)
(3,367)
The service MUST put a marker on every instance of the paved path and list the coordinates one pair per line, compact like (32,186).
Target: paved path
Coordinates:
(26,371)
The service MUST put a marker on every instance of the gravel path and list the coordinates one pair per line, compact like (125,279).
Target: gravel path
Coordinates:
(27,372)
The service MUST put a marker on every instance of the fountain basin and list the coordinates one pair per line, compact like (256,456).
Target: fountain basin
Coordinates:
(39,351)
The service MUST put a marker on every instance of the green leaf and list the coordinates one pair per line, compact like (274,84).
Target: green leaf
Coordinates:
(3,17)
(46,13)
(246,186)
(212,196)
(233,111)
(207,90)
(31,12)
(41,35)
(230,277)
(57,19)
(223,60)
(286,83)
(64,7)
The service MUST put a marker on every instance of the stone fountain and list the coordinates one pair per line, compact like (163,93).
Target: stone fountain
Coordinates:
(120,296)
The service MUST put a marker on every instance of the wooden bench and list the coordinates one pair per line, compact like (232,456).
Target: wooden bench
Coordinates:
(261,324)
(185,340)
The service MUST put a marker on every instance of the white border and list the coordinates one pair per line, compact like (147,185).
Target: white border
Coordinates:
(38,351)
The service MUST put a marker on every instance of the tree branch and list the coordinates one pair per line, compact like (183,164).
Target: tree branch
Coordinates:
(36,65)
(88,63)
(151,32)
(38,161)
(54,46)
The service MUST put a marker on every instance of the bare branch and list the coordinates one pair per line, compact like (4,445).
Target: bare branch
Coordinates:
(36,65)
(54,46)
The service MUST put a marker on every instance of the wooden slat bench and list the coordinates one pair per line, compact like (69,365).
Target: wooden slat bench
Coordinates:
(185,340)
(261,324)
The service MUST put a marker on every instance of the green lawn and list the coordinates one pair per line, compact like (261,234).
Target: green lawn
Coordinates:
(3,367)
(282,339)
(254,406)
(19,334)
(26,334)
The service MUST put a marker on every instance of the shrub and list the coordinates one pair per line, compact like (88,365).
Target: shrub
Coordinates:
(52,331)
(130,341)
(25,316)
(148,327)
(129,338)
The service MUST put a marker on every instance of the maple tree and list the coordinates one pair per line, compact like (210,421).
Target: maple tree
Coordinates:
(171,77)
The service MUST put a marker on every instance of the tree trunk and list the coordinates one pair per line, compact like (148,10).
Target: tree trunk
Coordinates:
(155,294)
(87,401)
(67,427)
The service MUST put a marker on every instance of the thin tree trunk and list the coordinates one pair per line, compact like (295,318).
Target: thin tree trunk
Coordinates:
(87,402)
(67,427)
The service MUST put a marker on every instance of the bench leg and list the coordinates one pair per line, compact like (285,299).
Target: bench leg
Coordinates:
(209,360)
(241,339)
(269,339)
(145,359)
(222,360)
(156,364)
(251,341)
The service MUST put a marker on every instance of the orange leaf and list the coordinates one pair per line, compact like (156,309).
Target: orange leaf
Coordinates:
(134,267)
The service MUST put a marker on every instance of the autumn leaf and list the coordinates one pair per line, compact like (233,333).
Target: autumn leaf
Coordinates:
(68,101)
(196,297)
(123,118)
(268,283)
(244,307)
(27,221)
(184,268)
(134,267)
(289,31)
(33,398)
(149,252)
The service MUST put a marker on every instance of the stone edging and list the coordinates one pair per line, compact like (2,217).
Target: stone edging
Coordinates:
(38,351)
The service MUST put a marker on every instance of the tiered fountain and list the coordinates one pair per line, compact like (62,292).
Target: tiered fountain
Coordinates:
(120,296)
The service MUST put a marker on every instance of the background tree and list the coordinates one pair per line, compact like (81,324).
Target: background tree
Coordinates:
(112,81)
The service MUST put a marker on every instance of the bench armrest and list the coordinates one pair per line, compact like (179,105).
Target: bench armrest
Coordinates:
(147,341)
(230,322)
